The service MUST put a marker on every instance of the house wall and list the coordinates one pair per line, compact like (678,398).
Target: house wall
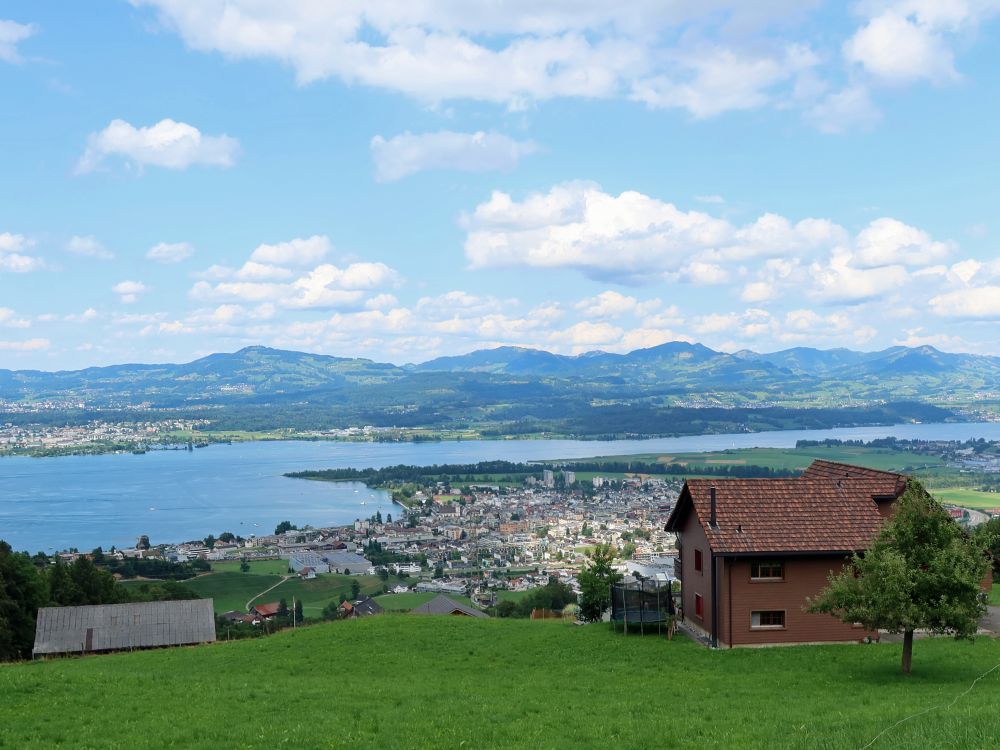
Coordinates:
(803,577)
(692,537)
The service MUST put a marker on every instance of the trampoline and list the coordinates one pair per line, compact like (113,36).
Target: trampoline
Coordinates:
(644,603)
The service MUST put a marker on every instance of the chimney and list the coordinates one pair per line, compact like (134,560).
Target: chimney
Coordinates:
(714,523)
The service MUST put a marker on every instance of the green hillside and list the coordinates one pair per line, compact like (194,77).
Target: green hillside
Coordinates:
(410,682)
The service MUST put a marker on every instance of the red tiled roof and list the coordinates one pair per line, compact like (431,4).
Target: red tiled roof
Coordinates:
(267,610)
(828,509)
(881,483)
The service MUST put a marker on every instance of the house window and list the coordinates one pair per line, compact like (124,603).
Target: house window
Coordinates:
(699,606)
(766,571)
(767,619)
(697,561)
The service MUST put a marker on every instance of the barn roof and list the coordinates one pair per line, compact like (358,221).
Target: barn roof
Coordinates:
(829,508)
(109,627)
(442,605)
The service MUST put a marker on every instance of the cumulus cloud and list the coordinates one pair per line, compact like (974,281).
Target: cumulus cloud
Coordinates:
(406,154)
(297,252)
(129,291)
(977,303)
(12,34)
(10,319)
(15,254)
(168,144)
(169,252)
(897,48)
(888,241)
(29,345)
(611,304)
(88,247)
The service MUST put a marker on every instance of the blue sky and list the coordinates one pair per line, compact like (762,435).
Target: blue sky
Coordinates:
(400,180)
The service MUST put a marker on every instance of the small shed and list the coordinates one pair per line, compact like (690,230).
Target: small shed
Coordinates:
(119,627)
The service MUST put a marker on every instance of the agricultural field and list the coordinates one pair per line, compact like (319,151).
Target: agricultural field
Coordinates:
(522,684)
(406,602)
(967,498)
(232,590)
(791,458)
(257,567)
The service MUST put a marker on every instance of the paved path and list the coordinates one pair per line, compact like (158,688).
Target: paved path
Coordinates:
(258,596)
(992,620)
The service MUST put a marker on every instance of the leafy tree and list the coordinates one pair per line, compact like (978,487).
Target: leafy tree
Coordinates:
(143,542)
(210,541)
(284,526)
(991,535)
(283,608)
(596,581)
(331,611)
(921,573)
(22,592)
(378,516)
(383,574)
(227,536)
(244,566)
(298,610)
(355,590)
(439,572)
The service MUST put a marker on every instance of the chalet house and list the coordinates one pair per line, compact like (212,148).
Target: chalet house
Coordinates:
(265,611)
(750,551)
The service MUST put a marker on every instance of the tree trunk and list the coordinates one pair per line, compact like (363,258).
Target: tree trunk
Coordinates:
(907,650)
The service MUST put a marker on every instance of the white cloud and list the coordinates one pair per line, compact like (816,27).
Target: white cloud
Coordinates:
(10,319)
(297,252)
(897,48)
(12,34)
(409,153)
(719,80)
(847,109)
(14,254)
(611,304)
(169,252)
(88,247)
(888,241)
(30,345)
(129,291)
(253,271)
(976,303)
(168,144)
(838,281)
(630,238)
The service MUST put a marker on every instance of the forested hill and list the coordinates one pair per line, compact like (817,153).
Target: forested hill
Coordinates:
(512,390)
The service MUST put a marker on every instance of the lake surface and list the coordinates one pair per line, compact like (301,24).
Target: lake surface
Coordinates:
(85,501)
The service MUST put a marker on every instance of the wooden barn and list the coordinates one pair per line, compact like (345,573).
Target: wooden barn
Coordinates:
(123,627)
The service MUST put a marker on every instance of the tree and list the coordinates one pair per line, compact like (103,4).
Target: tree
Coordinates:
(143,542)
(283,608)
(921,573)
(210,541)
(991,536)
(298,611)
(388,517)
(244,566)
(355,590)
(22,592)
(284,526)
(227,536)
(596,581)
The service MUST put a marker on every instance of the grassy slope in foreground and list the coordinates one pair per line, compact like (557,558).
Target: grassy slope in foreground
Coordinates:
(448,682)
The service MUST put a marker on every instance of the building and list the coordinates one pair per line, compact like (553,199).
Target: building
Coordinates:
(348,563)
(366,607)
(750,551)
(119,627)
(442,605)
(265,611)
(569,477)
(548,478)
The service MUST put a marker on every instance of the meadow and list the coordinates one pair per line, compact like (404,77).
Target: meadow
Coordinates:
(405,682)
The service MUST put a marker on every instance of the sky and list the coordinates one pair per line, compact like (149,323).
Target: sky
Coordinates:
(403,179)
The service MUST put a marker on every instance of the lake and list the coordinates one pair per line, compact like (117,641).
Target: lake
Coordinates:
(84,501)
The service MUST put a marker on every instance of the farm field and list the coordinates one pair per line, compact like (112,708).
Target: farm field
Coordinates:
(232,590)
(790,458)
(967,498)
(406,602)
(524,684)
(257,567)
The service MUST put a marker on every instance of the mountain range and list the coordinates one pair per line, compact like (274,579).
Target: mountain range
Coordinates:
(516,385)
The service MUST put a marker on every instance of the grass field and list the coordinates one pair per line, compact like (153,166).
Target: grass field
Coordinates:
(967,498)
(510,684)
(257,567)
(995,594)
(791,458)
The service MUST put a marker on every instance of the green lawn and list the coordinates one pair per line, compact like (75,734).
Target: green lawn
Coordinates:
(510,684)
(790,458)
(967,498)
(257,567)
(231,590)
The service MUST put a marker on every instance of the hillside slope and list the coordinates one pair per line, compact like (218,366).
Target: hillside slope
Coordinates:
(408,682)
